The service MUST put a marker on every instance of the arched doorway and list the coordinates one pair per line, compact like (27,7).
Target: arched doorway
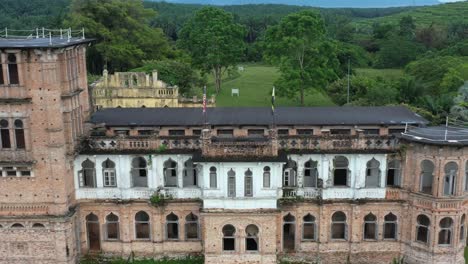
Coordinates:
(92,229)
(289,231)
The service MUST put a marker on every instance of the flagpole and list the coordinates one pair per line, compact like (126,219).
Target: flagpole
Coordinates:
(273,106)
(204,107)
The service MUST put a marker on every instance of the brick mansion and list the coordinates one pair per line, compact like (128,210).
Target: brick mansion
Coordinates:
(236,185)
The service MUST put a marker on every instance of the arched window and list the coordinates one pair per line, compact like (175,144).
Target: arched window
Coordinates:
(309,227)
(231,183)
(394,173)
(339,228)
(446,230)
(19,134)
(266,177)
(170,173)
(370,227)
(93,233)
(373,173)
(213,178)
(422,228)
(341,171)
(17,225)
(5,134)
(191,227)
(108,171)
(2,81)
(139,172)
(451,169)
(248,184)
(289,232)
(13,76)
(462,228)
(87,174)
(251,238)
(190,174)
(229,239)
(142,225)
(112,227)
(427,175)
(289,174)
(466,176)
(172,226)
(390,226)
(38,225)
(310,174)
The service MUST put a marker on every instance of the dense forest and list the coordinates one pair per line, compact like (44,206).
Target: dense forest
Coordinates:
(417,56)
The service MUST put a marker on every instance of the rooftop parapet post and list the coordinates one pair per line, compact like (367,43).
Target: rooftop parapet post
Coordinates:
(155,79)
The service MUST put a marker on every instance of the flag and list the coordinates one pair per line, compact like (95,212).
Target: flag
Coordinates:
(204,99)
(273,101)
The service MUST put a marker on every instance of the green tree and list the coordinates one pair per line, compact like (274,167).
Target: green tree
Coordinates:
(173,72)
(460,110)
(122,32)
(305,59)
(431,71)
(407,27)
(397,51)
(214,41)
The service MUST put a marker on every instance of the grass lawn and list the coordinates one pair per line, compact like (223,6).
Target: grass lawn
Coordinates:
(384,73)
(255,84)
(466,255)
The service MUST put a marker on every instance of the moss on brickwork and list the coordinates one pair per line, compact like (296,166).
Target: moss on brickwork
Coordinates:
(106,260)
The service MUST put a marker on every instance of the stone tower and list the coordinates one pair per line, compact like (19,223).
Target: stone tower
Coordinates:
(43,102)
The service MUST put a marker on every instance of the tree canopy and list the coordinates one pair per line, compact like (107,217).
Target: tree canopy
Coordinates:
(214,41)
(305,58)
(122,32)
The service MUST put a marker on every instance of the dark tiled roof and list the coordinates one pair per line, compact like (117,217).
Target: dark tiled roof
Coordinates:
(386,115)
(32,43)
(438,135)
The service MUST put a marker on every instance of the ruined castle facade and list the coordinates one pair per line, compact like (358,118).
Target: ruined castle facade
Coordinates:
(138,89)
(238,185)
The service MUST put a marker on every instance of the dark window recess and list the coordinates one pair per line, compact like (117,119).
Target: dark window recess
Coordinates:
(176,132)
(145,132)
(340,131)
(225,132)
(19,134)
(305,131)
(283,132)
(1,74)
(13,69)
(396,131)
(256,132)
(196,132)
(5,134)
(371,131)
(122,132)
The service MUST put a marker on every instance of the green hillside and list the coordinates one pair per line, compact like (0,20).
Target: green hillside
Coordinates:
(425,16)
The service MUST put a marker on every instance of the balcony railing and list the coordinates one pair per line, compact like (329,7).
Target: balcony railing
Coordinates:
(338,142)
(236,146)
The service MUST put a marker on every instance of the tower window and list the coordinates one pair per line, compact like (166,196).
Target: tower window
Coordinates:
(5,134)
(19,134)
(445,233)
(13,69)
(422,228)
(251,239)
(229,240)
